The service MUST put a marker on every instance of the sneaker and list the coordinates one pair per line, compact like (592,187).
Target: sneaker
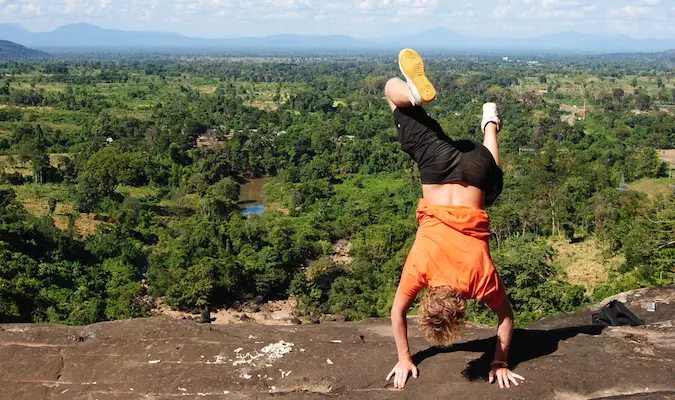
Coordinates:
(421,90)
(490,114)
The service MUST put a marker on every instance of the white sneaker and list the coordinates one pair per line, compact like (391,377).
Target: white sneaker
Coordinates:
(490,114)
(422,91)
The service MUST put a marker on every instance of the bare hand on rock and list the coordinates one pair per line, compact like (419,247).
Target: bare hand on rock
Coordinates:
(505,377)
(401,372)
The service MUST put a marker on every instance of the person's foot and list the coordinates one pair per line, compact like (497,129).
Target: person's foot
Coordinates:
(422,91)
(490,114)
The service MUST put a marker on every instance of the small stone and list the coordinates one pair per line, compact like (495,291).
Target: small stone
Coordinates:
(329,361)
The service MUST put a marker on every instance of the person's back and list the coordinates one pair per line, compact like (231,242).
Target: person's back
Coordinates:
(452,249)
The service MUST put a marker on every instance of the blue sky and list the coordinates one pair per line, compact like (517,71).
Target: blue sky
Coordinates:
(360,18)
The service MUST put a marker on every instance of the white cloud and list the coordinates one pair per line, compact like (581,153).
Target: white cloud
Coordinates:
(503,8)
(633,11)
(560,4)
(213,18)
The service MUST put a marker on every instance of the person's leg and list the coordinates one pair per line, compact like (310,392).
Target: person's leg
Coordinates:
(398,93)
(422,91)
(490,141)
(417,90)
(491,127)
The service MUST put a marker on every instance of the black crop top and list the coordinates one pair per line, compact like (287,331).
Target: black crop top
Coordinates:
(443,160)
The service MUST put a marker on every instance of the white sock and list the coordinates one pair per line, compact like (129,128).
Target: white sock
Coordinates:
(411,97)
(490,114)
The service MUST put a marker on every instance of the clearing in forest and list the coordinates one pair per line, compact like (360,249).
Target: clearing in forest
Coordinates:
(668,156)
(654,187)
(35,199)
(584,262)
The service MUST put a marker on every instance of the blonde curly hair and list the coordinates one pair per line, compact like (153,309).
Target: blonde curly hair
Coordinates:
(442,314)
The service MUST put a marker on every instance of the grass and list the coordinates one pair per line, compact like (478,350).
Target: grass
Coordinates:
(32,191)
(138,192)
(584,262)
(176,200)
(570,90)
(35,199)
(654,187)
(25,168)
(123,99)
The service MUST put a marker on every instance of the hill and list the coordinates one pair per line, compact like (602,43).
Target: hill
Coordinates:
(561,358)
(90,36)
(570,41)
(13,51)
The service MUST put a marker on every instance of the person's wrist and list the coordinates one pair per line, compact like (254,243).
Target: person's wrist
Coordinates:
(405,357)
(498,364)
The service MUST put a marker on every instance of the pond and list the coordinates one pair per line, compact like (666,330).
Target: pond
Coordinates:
(252,196)
(253,210)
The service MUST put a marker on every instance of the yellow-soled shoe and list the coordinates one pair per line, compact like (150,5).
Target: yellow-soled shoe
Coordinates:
(412,66)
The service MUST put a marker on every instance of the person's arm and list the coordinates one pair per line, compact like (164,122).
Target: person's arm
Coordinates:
(399,323)
(499,367)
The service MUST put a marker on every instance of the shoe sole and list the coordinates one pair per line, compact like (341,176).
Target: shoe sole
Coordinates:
(412,67)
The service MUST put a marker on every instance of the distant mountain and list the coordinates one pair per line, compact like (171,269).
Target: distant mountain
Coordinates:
(13,52)
(569,41)
(316,41)
(85,35)
(90,36)
(434,38)
(15,26)
(575,41)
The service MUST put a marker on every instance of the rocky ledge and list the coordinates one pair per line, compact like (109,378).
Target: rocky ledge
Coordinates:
(159,358)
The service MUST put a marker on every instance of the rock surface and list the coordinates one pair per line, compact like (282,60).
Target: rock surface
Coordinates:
(159,358)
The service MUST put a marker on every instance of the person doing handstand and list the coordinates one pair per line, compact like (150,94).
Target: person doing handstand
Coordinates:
(451,253)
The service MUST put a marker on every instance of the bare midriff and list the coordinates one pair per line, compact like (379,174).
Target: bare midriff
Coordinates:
(454,194)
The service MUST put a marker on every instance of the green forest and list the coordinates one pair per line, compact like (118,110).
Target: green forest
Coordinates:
(121,180)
